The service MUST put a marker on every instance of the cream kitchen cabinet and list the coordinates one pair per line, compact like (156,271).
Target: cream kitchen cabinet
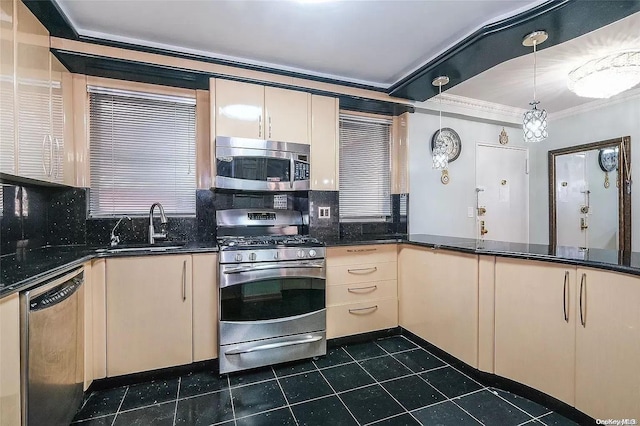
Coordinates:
(438,297)
(10,412)
(253,111)
(607,344)
(362,291)
(7,84)
(205,307)
(535,314)
(324,143)
(149,308)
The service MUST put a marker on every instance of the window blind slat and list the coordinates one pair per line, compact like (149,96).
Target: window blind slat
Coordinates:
(142,151)
(365,168)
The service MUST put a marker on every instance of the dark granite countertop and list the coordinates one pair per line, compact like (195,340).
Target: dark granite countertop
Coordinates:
(27,268)
(611,260)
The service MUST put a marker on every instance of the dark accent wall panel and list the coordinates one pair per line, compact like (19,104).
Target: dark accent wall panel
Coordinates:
(324,228)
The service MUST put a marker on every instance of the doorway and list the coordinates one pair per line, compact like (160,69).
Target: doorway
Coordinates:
(502,193)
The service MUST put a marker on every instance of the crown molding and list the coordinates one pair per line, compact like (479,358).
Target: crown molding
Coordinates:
(478,109)
(596,104)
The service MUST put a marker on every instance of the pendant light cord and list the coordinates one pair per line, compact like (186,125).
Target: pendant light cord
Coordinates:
(534,71)
(440,100)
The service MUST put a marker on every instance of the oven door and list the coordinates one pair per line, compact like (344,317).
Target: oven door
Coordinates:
(261,169)
(271,290)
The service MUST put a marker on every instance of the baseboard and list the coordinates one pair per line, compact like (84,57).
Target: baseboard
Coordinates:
(363,337)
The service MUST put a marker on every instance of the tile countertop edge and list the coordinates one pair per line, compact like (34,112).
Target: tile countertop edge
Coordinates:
(50,273)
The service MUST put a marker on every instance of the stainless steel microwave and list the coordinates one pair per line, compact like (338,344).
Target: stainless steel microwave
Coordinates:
(261,165)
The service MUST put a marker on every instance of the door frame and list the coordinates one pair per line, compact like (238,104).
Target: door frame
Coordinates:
(527,168)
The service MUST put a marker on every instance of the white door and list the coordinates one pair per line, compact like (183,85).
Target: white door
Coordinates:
(571,199)
(502,188)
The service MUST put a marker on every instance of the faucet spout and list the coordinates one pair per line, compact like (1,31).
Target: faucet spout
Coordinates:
(115,239)
(153,235)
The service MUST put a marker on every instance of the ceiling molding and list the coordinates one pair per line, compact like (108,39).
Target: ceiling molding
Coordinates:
(463,106)
(596,104)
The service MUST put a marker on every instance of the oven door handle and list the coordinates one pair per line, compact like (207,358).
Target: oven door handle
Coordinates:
(292,172)
(268,267)
(268,346)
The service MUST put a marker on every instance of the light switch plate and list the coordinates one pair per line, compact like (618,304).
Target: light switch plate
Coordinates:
(469,211)
(324,212)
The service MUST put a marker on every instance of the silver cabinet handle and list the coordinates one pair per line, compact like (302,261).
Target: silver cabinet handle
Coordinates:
(269,127)
(44,147)
(184,280)
(362,289)
(361,250)
(362,270)
(583,306)
(58,158)
(260,126)
(361,311)
(51,156)
(309,339)
(564,296)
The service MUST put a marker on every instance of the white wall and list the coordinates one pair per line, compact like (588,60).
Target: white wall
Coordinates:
(440,209)
(611,121)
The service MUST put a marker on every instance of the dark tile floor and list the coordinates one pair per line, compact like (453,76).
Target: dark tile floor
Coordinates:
(389,381)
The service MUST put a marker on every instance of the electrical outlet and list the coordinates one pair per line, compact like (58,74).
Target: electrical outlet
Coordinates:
(324,212)
(469,211)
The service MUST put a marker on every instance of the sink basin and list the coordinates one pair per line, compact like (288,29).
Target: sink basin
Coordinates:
(140,248)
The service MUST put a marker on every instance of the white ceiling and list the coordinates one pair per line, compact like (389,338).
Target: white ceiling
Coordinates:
(511,83)
(374,42)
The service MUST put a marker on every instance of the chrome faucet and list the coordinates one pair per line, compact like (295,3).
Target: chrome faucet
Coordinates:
(163,221)
(115,239)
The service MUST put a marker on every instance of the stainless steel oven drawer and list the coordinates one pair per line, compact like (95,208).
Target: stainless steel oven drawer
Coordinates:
(241,356)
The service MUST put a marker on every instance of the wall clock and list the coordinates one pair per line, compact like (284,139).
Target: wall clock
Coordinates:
(452,143)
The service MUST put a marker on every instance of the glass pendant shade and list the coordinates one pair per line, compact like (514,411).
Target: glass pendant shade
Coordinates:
(607,76)
(534,124)
(439,156)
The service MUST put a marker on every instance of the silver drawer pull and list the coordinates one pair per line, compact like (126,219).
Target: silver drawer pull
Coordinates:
(362,270)
(268,346)
(361,311)
(361,250)
(362,289)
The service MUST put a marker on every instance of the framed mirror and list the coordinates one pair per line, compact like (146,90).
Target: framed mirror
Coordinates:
(590,195)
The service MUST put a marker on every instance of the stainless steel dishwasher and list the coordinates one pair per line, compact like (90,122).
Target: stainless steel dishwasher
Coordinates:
(52,352)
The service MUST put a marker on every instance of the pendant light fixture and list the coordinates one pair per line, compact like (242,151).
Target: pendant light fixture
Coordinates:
(534,123)
(439,154)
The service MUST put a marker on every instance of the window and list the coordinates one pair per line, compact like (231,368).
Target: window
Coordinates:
(142,151)
(365,169)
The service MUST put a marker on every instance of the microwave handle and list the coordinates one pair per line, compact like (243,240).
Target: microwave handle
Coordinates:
(292,172)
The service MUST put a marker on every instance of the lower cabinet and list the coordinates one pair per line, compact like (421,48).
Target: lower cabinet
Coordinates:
(205,307)
(10,413)
(149,313)
(438,297)
(608,345)
(535,311)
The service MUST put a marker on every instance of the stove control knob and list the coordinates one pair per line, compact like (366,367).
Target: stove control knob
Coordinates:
(276,255)
(312,253)
(239,257)
(252,257)
(300,253)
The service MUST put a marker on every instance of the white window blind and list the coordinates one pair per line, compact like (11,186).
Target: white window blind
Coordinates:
(142,151)
(365,168)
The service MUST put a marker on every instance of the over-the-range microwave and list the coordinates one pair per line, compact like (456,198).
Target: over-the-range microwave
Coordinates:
(261,165)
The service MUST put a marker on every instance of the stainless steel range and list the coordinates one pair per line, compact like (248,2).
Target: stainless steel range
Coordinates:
(272,289)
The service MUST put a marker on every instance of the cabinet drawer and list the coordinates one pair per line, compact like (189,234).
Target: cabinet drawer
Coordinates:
(355,255)
(354,318)
(362,292)
(361,273)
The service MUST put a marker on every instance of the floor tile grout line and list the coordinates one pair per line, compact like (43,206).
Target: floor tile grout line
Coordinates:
(285,396)
(385,389)
(387,418)
(471,415)
(338,396)
(79,422)
(233,408)
(120,406)
(175,411)
(509,402)
(155,404)
(202,394)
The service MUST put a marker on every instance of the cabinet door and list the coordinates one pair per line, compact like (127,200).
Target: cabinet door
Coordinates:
(149,306)
(287,114)
(608,345)
(62,123)
(35,144)
(239,109)
(534,343)
(7,83)
(10,412)
(205,307)
(324,143)
(438,296)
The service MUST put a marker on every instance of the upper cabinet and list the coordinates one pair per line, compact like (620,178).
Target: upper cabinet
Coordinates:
(7,84)
(324,143)
(252,111)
